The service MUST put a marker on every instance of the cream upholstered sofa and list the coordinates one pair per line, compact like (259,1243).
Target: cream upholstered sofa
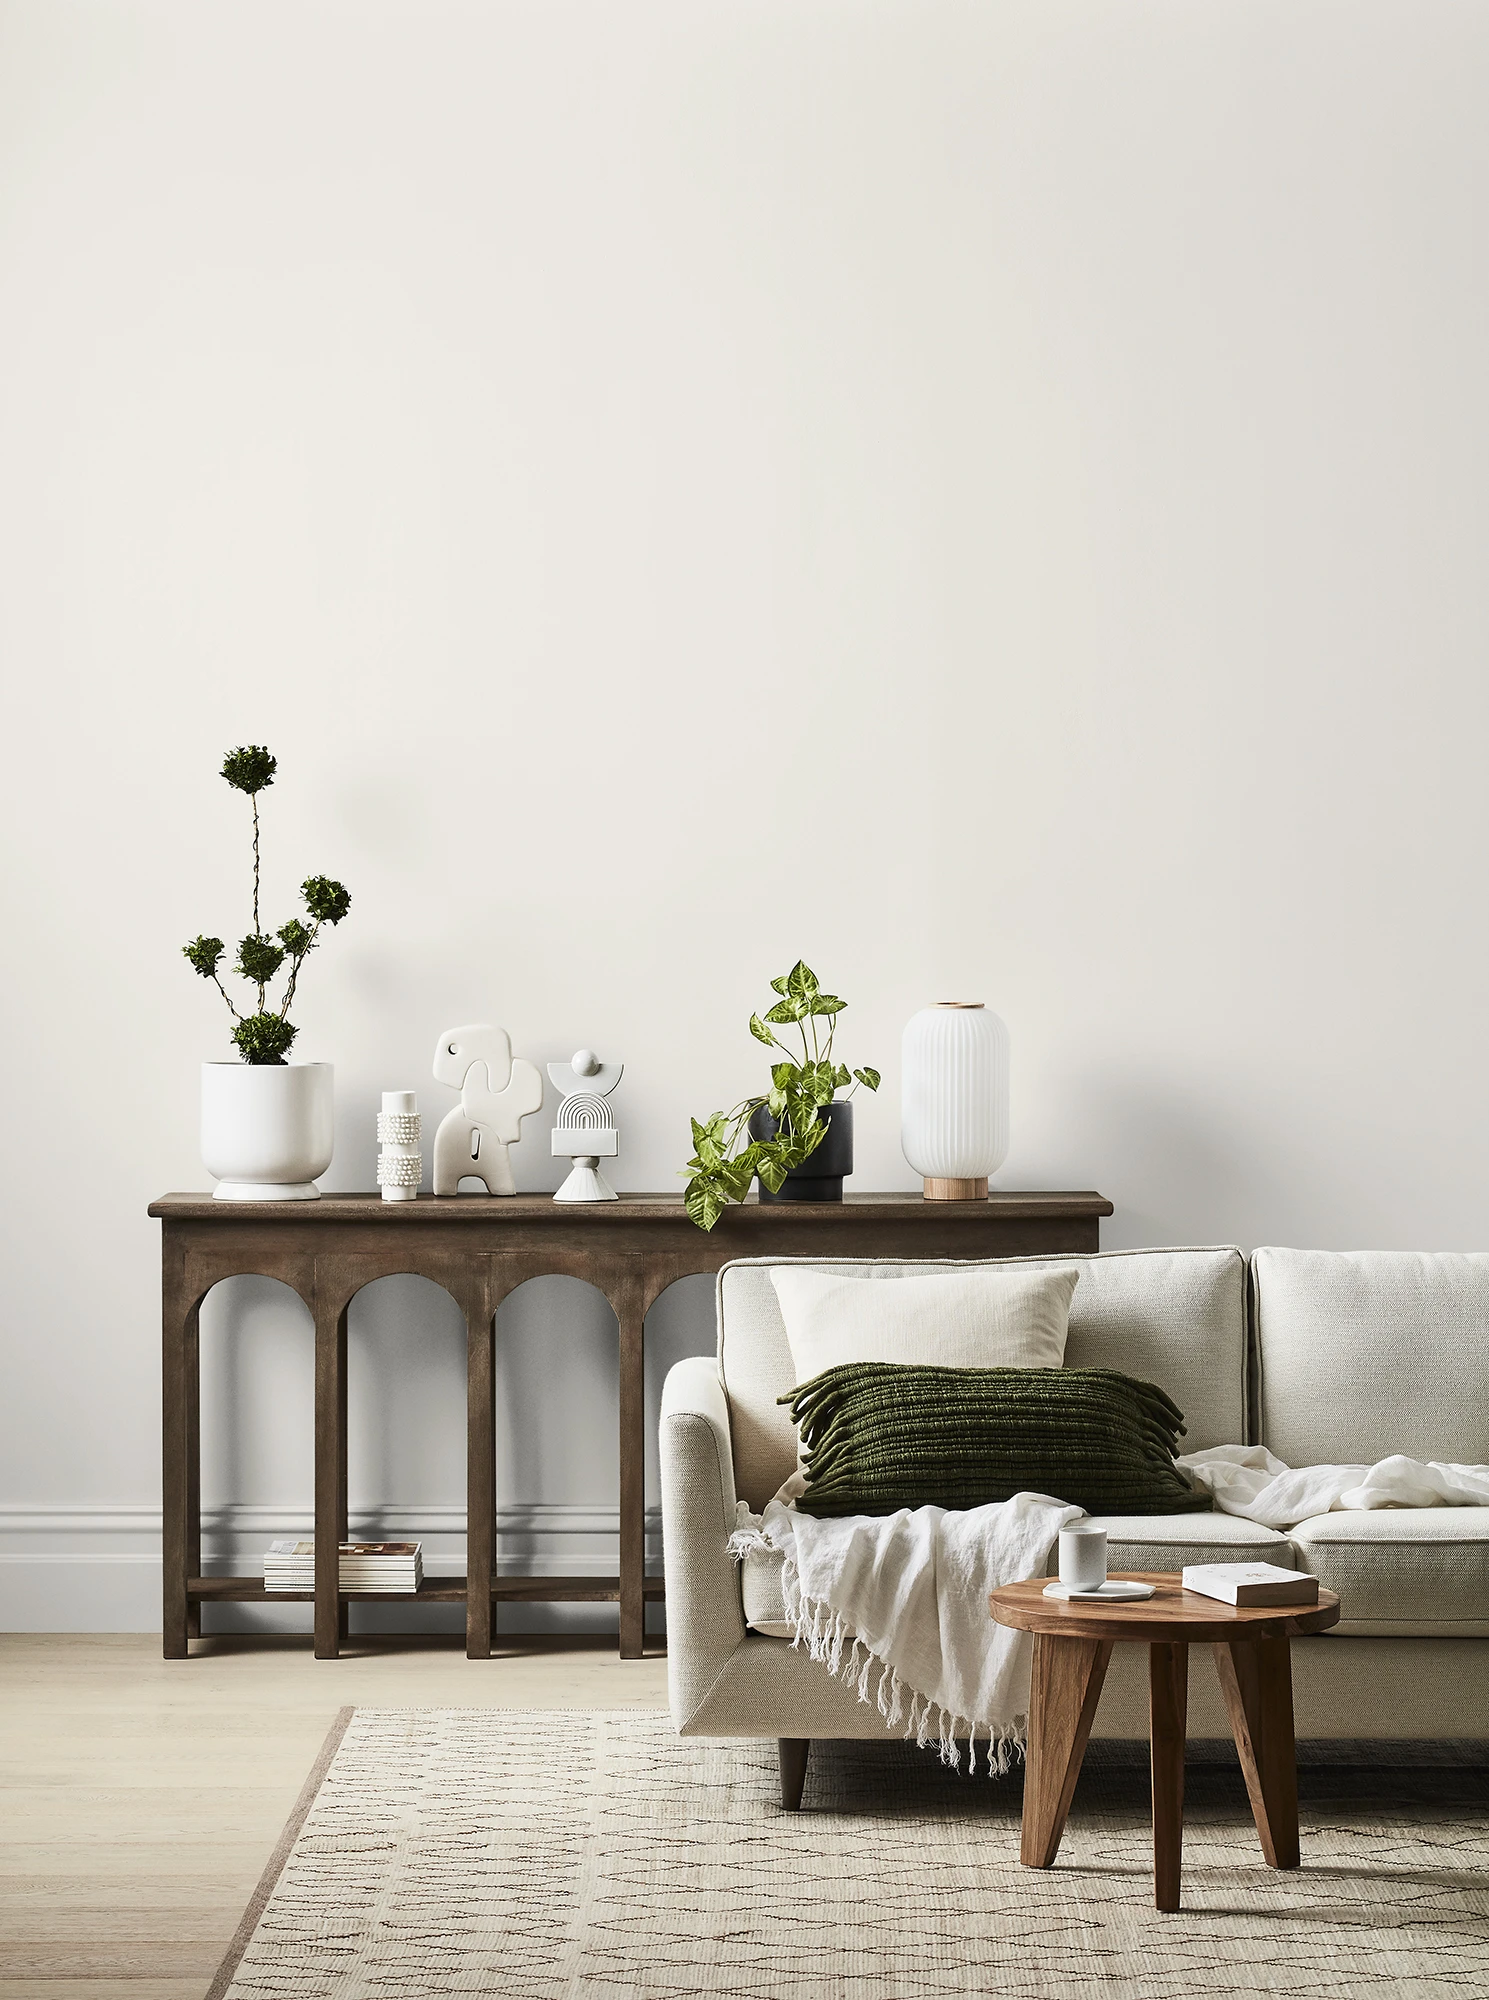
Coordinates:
(1325,1357)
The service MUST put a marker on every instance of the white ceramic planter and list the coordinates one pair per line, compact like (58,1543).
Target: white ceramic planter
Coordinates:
(267,1128)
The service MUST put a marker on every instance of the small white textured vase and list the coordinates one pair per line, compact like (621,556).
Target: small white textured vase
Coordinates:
(954,1102)
(400,1160)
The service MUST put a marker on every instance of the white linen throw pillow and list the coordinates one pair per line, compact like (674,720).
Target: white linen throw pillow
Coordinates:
(952,1319)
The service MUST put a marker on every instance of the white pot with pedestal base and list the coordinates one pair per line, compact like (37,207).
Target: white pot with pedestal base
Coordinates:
(267,1128)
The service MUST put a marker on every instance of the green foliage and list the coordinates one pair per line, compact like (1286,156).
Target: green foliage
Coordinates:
(264,1038)
(259,958)
(249,768)
(203,954)
(725,1159)
(326,900)
(264,1034)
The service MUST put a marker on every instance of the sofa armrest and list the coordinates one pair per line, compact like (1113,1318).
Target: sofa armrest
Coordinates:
(705,1622)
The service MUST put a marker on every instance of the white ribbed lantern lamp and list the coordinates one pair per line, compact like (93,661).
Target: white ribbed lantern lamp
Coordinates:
(954,1104)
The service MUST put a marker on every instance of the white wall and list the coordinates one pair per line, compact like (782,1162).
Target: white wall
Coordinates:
(988,496)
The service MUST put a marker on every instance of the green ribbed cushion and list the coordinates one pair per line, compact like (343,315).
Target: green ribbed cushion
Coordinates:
(877,1436)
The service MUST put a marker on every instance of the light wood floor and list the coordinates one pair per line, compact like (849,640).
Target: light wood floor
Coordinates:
(140,1797)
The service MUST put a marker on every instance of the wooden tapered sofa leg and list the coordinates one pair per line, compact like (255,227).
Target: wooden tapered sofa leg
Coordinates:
(793,1770)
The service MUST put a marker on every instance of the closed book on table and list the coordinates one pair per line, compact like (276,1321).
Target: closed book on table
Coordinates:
(1251,1583)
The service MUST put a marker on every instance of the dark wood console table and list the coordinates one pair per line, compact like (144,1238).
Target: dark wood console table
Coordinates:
(480,1248)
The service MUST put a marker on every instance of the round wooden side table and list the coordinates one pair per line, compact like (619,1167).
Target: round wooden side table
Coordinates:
(1072,1645)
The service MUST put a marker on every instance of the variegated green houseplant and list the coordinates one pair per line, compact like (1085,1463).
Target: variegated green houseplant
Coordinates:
(770,1135)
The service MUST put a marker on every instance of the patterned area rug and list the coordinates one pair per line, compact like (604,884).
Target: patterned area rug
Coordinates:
(539,1855)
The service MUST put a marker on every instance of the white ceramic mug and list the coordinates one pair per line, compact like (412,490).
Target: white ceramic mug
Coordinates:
(1083,1557)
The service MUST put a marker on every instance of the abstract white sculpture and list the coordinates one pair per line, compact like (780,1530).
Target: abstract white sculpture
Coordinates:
(585,1129)
(497,1091)
(400,1167)
(954,1108)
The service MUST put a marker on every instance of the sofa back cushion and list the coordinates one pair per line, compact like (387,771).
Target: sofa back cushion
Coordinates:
(1174,1317)
(1367,1352)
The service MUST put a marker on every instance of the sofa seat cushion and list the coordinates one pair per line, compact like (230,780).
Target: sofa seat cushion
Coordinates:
(1402,1571)
(1172,1541)
(1134,1541)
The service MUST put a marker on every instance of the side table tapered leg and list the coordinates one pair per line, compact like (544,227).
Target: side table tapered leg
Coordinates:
(1064,1688)
(1256,1678)
(1168,1717)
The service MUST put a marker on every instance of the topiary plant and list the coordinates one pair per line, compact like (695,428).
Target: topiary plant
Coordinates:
(265,1036)
(724,1162)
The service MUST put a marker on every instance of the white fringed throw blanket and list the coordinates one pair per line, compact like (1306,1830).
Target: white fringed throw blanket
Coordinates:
(896,1604)
(1247,1479)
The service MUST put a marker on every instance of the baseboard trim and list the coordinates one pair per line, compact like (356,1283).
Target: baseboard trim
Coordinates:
(97,1569)
(73,1558)
(389,1519)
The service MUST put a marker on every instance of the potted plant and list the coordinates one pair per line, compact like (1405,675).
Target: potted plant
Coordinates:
(267,1123)
(797,1138)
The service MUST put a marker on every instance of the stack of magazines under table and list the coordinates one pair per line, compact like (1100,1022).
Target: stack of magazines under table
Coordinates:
(395,1567)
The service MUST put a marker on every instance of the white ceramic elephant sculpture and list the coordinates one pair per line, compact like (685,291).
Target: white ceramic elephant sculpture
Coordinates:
(497,1091)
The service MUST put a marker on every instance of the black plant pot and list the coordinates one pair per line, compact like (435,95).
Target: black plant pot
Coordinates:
(821,1175)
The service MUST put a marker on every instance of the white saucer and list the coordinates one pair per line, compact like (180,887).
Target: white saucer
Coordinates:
(1112,1591)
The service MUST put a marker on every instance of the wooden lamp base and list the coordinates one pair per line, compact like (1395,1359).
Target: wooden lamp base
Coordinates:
(955,1190)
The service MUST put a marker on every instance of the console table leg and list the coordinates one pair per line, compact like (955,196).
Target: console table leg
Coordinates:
(480,1478)
(1168,1715)
(181,1539)
(330,1479)
(629,1302)
(1256,1678)
(194,1471)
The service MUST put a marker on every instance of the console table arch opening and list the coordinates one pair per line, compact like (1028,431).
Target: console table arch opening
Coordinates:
(680,1322)
(558,1437)
(407,1351)
(404,1382)
(201,1287)
(189,1285)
